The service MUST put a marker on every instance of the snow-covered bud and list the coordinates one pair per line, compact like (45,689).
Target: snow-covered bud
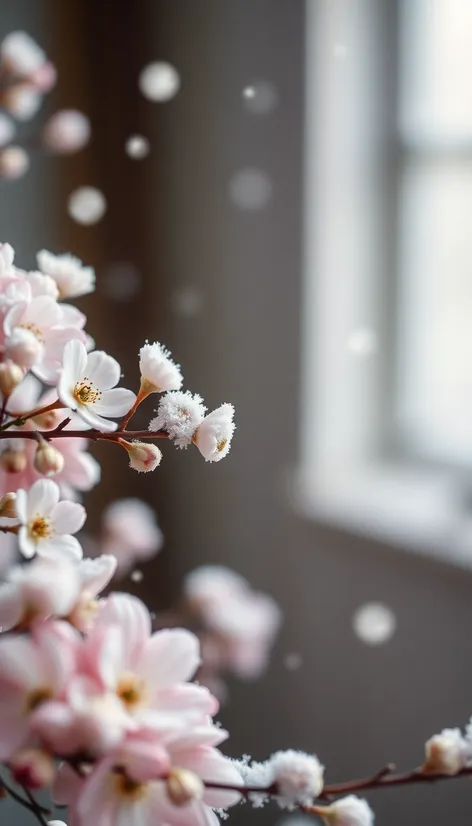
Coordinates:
(446,753)
(143,457)
(14,162)
(10,375)
(7,506)
(183,787)
(158,372)
(213,436)
(23,348)
(48,460)
(67,131)
(179,414)
(298,777)
(348,811)
(33,768)
(13,461)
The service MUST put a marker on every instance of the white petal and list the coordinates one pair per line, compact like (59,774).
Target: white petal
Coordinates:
(103,370)
(86,412)
(26,545)
(11,607)
(21,506)
(74,360)
(97,573)
(42,497)
(115,402)
(68,517)
(63,545)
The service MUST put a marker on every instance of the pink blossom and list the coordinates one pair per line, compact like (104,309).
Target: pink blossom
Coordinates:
(130,532)
(33,670)
(66,131)
(48,587)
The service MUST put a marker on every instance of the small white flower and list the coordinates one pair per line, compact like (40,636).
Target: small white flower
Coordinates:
(22,101)
(158,372)
(299,778)
(446,753)
(7,256)
(348,811)
(143,457)
(14,162)
(50,586)
(20,54)
(213,436)
(66,131)
(179,414)
(70,275)
(46,523)
(85,385)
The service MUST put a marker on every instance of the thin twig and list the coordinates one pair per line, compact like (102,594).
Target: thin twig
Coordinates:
(94,435)
(40,812)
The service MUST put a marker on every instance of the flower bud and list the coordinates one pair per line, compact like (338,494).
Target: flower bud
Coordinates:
(183,786)
(48,460)
(446,753)
(13,461)
(347,811)
(10,375)
(143,457)
(49,420)
(23,347)
(7,506)
(33,768)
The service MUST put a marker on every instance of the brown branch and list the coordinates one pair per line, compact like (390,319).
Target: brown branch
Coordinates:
(94,435)
(40,812)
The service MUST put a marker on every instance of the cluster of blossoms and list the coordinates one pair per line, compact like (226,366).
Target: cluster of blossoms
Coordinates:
(26,75)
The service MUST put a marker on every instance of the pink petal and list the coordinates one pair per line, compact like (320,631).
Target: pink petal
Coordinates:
(134,621)
(210,765)
(170,656)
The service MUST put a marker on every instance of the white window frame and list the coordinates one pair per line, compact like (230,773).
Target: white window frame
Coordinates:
(345,476)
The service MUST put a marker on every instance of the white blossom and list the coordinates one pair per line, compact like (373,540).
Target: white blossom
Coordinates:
(179,414)
(158,372)
(66,131)
(446,753)
(46,524)
(347,811)
(298,777)
(70,275)
(213,436)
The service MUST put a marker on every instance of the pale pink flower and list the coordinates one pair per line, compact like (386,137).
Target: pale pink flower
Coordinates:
(37,328)
(138,794)
(131,532)
(94,575)
(85,385)
(158,371)
(33,670)
(7,256)
(66,131)
(213,436)
(179,414)
(70,275)
(22,100)
(148,672)
(48,587)
(46,523)
(347,811)
(44,78)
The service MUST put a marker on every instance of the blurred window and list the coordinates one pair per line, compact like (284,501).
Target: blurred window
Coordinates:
(386,445)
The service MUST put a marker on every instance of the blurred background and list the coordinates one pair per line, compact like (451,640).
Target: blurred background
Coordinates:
(299,236)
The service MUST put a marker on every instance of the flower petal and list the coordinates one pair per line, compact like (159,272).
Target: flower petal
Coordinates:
(103,370)
(42,496)
(68,517)
(74,359)
(26,545)
(86,412)
(170,656)
(115,402)
(21,506)
(61,545)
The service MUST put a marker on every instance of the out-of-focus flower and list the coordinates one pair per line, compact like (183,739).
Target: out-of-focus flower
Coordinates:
(7,129)
(70,275)
(33,768)
(179,414)
(10,376)
(48,587)
(46,523)
(446,753)
(20,54)
(85,386)
(87,205)
(48,460)
(137,147)
(22,101)
(130,532)
(14,162)
(213,436)
(66,132)
(295,777)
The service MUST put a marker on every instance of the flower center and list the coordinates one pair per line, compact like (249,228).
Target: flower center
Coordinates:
(221,445)
(36,697)
(40,528)
(131,690)
(128,788)
(35,330)
(85,392)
